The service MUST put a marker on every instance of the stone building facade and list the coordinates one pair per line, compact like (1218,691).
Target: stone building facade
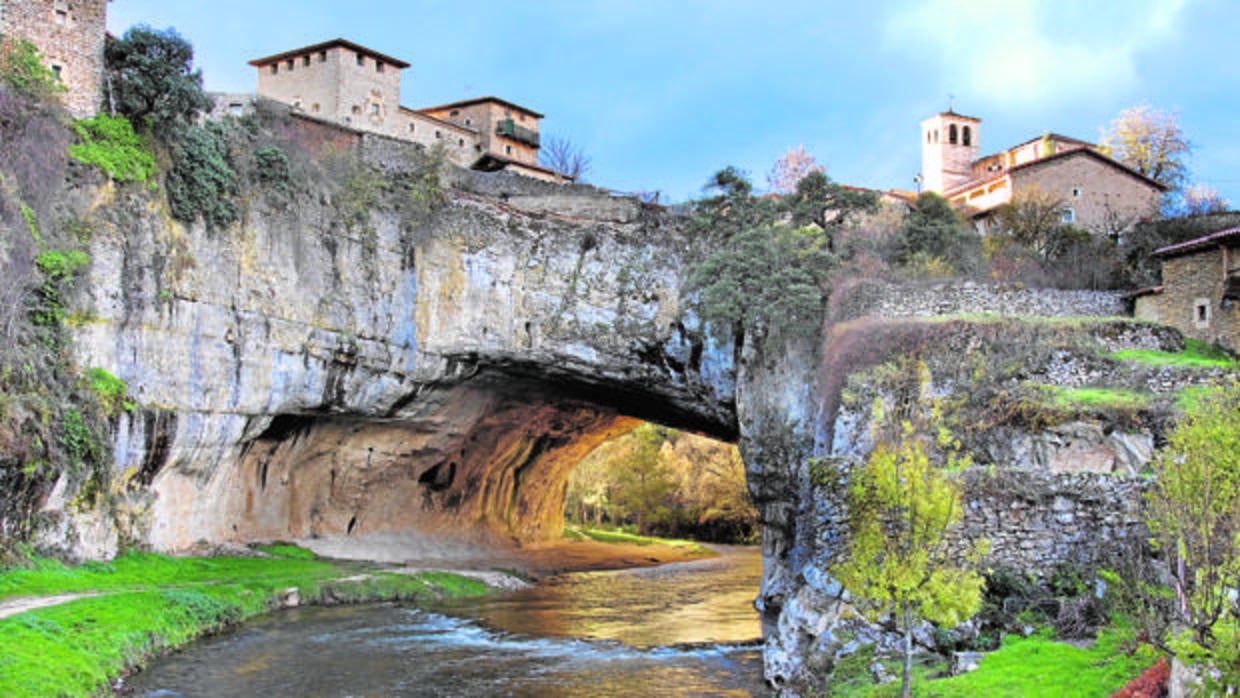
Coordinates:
(70,35)
(507,132)
(348,84)
(1200,295)
(1097,193)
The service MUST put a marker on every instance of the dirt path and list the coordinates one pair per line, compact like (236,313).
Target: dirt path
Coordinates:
(11,607)
(534,561)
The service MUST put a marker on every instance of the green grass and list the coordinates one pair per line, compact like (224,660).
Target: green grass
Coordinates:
(1033,666)
(150,604)
(1097,398)
(1196,354)
(604,536)
(282,549)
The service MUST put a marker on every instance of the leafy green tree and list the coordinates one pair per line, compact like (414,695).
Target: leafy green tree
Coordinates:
(767,263)
(901,508)
(1194,514)
(22,69)
(643,487)
(934,230)
(150,78)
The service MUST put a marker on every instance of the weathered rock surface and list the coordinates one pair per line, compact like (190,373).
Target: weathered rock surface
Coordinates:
(310,372)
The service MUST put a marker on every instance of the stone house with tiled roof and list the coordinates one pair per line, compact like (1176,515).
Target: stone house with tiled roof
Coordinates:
(349,84)
(1098,193)
(1200,293)
(70,35)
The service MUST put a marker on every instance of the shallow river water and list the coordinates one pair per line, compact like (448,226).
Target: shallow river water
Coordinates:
(685,629)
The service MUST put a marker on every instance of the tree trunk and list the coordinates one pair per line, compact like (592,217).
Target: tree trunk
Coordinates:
(906,679)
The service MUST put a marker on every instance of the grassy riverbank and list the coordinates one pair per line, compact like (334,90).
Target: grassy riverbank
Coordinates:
(1024,666)
(142,605)
(624,537)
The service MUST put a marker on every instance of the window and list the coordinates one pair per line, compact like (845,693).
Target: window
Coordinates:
(1201,313)
(966,136)
(305,60)
(952,135)
(315,107)
(56,72)
(936,136)
(357,109)
(236,108)
(1076,191)
(289,64)
(361,60)
(374,109)
(378,66)
(438,134)
(508,150)
(62,17)
(275,68)
(469,121)
(410,128)
(454,112)
(322,56)
(1068,215)
(461,143)
(927,138)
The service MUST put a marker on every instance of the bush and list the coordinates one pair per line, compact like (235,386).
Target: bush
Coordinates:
(111,391)
(272,166)
(110,144)
(202,182)
(21,68)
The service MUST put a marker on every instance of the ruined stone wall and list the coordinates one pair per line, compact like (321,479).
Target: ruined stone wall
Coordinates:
(70,35)
(1036,522)
(868,297)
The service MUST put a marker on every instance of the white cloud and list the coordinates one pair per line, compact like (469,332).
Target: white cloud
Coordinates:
(1027,51)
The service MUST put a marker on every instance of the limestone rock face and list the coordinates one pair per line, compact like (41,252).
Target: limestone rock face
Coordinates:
(304,373)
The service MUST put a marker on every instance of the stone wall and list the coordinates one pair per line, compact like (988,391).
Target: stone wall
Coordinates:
(872,298)
(70,35)
(1037,521)
(1192,298)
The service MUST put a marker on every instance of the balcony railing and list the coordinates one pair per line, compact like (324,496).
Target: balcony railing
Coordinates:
(509,128)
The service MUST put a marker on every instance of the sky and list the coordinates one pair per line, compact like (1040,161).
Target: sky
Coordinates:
(660,94)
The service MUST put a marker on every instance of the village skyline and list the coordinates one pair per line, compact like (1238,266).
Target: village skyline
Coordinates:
(660,97)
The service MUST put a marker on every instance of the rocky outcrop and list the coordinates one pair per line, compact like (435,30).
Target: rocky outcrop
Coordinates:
(304,374)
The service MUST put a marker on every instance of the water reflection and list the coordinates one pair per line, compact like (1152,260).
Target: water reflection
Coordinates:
(676,630)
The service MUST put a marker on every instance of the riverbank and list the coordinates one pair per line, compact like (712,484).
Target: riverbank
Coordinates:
(71,631)
(113,617)
(578,551)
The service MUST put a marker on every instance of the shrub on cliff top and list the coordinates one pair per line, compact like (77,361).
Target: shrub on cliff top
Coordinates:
(202,181)
(150,79)
(110,144)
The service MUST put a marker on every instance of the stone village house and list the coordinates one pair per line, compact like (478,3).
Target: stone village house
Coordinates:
(1200,294)
(1098,194)
(70,35)
(348,84)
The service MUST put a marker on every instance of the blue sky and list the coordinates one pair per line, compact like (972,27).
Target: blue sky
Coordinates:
(662,93)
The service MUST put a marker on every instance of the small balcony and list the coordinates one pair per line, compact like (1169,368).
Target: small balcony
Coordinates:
(509,128)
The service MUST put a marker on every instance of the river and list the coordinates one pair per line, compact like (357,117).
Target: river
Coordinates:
(684,629)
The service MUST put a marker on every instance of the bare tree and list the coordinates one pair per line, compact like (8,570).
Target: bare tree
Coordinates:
(565,157)
(790,169)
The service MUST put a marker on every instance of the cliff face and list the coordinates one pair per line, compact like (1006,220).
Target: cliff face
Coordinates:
(307,374)
(352,359)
